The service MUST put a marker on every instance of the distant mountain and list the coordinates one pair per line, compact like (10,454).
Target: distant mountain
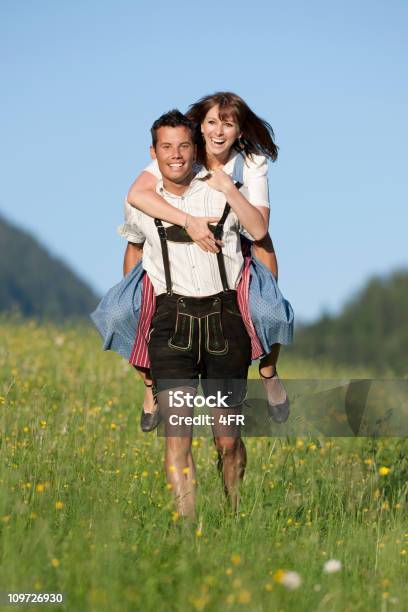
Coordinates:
(35,283)
(372,329)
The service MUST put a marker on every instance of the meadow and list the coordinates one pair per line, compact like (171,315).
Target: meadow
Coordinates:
(85,510)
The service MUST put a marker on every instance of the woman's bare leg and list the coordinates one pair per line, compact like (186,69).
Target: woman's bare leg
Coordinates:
(149,405)
(133,254)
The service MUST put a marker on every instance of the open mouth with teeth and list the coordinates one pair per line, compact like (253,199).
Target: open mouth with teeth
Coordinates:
(218,142)
(176,166)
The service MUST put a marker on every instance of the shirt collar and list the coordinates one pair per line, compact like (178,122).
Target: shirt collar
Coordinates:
(229,166)
(200,173)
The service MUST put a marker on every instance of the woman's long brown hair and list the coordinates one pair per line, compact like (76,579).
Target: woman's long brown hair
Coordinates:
(257,134)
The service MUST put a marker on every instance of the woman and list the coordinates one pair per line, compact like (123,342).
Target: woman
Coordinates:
(228,130)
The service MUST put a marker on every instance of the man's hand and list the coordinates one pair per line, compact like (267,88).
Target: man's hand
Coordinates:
(199,231)
(219,180)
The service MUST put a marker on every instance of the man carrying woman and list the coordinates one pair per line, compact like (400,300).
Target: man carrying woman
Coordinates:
(197,328)
(229,135)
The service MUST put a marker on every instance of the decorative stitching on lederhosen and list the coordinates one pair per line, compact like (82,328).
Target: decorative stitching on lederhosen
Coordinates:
(182,338)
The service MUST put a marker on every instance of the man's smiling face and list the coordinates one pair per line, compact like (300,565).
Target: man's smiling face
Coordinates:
(175,153)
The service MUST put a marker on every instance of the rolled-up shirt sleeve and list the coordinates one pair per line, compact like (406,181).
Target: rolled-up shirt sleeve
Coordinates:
(246,234)
(131,229)
(256,180)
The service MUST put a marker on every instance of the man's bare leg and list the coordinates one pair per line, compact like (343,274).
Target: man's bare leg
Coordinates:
(231,453)
(179,463)
(180,471)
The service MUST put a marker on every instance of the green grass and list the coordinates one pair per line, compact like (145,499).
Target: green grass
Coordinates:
(84,507)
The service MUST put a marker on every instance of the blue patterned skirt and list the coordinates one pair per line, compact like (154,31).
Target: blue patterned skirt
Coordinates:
(117,315)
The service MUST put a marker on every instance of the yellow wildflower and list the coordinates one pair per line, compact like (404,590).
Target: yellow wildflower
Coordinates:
(244,597)
(278,575)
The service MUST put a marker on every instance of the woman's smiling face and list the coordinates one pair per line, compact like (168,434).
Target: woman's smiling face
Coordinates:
(219,134)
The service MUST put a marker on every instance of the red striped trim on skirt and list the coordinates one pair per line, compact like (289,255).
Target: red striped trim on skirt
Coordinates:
(139,356)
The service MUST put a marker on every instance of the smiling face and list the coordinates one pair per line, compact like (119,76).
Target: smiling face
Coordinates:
(175,154)
(219,134)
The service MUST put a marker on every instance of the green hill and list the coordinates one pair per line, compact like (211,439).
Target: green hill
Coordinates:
(36,284)
(372,329)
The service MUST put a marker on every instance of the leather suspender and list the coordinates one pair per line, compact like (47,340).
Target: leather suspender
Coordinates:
(219,229)
(165,253)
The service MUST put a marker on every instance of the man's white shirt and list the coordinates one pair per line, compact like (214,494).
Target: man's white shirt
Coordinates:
(194,272)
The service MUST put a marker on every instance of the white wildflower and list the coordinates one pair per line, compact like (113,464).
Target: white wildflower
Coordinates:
(291,580)
(331,566)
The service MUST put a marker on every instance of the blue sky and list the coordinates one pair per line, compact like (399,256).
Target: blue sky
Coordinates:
(84,80)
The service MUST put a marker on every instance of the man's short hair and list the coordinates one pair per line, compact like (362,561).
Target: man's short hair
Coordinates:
(173,118)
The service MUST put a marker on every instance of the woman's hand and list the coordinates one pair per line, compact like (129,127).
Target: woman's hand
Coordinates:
(198,230)
(220,180)
(249,215)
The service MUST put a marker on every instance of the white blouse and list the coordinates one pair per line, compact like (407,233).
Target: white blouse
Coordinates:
(255,177)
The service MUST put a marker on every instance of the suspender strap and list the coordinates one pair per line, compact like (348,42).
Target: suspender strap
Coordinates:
(218,231)
(165,253)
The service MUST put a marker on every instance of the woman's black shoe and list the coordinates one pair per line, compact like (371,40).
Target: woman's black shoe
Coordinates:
(150,420)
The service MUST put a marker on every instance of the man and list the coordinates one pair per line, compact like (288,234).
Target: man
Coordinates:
(197,329)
